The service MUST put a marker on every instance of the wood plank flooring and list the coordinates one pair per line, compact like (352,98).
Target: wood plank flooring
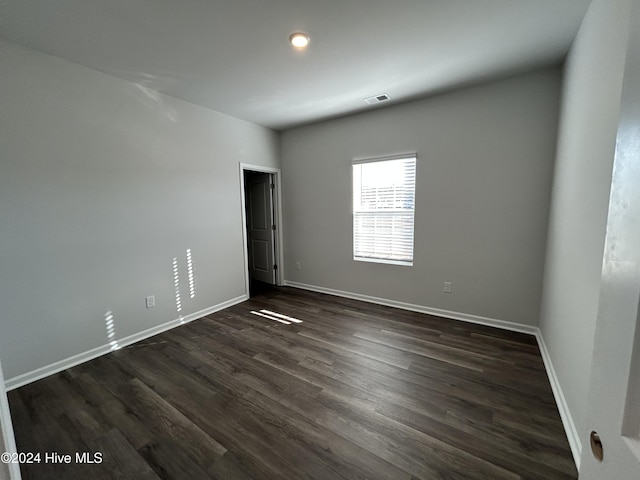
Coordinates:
(355,391)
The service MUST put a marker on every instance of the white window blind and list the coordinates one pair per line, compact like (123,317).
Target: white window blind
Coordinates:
(383,209)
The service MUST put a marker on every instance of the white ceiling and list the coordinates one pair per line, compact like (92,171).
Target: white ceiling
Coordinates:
(233,55)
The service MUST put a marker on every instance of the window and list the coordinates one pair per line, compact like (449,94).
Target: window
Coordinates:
(383,208)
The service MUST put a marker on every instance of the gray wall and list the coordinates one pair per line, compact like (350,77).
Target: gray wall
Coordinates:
(582,180)
(485,161)
(102,184)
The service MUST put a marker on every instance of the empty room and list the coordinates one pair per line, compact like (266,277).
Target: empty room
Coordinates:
(327,239)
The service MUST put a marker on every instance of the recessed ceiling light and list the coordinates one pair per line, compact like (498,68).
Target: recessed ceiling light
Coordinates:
(299,40)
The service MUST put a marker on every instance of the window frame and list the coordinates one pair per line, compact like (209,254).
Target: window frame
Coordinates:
(391,211)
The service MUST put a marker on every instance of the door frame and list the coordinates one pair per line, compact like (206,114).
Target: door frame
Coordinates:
(277,213)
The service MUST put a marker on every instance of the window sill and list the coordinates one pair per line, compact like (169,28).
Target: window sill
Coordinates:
(383,260)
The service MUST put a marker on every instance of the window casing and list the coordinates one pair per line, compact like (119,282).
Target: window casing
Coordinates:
(383,209)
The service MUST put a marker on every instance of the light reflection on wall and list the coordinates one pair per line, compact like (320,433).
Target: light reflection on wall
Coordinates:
(109,322)
(153,97)
(192,280)
(176,284)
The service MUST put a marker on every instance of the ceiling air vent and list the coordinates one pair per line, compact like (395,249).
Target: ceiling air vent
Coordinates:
(383,97)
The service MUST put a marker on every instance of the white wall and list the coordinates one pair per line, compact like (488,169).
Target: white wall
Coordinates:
(485,161)
(580,197)
(102,184)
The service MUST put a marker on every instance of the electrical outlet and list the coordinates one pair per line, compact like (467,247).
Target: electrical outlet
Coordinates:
(447,287)
(150,301)
(298,266)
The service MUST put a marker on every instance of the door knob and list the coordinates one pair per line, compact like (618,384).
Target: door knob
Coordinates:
(596,446)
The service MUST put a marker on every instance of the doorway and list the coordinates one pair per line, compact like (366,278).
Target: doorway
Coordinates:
(261,226)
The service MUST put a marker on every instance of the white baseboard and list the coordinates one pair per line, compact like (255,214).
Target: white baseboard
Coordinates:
(565,414)
(466,317)
(563,408)
(42,372)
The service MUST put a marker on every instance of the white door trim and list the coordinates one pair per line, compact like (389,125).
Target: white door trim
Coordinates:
(277,200)
(7,442)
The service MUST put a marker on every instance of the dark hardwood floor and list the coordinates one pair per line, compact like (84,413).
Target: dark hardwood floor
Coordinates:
(355,391)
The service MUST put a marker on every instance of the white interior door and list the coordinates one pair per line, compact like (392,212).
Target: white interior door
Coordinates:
(260,226)
(614,393)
